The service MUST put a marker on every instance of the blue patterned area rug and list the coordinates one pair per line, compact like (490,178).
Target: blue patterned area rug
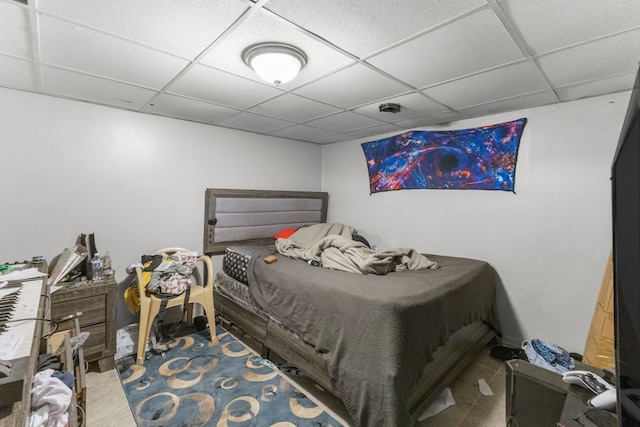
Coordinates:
(196,383)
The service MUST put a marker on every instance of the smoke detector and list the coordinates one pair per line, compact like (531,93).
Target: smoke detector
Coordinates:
(389,108)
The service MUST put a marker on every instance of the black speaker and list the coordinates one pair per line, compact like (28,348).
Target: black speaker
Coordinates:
(534,396)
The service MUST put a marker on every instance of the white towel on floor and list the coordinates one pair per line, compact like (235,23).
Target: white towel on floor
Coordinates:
(51,391)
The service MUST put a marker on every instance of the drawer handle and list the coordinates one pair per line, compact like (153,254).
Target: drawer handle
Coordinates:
(70,316)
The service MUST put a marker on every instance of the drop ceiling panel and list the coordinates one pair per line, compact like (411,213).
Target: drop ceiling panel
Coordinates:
(358,85)
(217,86)
(332,138)
(504,82)
(254,123)
(364,30)
(596,87)
(94,89)
(19,74)
(294,107)
(15,31)
(599,59)
(441,60)
(300,132)
(375,130)
(546,26)
(185,28)
(344,122)
(517,103)
(81,48)
(469,45)
(434,119)
(263,27)
(190,109)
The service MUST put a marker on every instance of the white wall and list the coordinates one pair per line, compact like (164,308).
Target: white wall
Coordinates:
(549,242)
(137,181)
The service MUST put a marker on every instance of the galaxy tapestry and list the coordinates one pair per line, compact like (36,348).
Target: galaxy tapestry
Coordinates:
(481,158)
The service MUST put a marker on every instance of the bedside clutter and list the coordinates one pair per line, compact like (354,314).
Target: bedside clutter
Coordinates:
(536,396)
(604,393)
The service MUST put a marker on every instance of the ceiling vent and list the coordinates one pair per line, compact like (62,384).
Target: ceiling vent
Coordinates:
(389,108)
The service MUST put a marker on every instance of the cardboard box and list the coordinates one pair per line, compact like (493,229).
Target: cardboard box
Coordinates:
(599,350)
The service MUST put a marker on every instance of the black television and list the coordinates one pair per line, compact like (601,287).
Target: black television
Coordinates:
(626,262)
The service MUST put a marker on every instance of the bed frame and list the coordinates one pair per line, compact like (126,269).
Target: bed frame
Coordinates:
(253,217)
(248,217)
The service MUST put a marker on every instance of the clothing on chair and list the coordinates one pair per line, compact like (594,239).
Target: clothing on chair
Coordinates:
(166,278)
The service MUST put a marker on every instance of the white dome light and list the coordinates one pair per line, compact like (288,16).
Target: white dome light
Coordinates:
(275,63)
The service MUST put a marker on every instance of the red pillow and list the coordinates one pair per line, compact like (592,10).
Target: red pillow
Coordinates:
(285,234)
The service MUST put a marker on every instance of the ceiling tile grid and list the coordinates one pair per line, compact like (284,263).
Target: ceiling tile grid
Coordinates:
(472,44)
(15,31)
(188,109)
(18,73)
(549,25)
(219,87)
(294,107)
(440,60)
(84,49)
(363,28)
(184,28)
(70,84)
(499,83)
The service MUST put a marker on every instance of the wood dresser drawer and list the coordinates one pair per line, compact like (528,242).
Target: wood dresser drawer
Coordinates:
(92,308)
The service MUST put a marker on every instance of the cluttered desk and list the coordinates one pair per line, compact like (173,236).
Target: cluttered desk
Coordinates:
(23,296)
(41,312)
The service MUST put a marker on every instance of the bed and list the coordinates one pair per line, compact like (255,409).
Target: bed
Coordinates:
(385,344)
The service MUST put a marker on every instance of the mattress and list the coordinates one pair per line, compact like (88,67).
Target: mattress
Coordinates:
(236,259)
(352,319)
(237,291)
(232,281)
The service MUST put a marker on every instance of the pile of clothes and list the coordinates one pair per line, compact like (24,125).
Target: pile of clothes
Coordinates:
(540,353)
(52,388)
(549,356)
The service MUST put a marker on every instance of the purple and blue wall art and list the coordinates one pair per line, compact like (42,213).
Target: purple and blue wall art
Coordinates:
(482,158)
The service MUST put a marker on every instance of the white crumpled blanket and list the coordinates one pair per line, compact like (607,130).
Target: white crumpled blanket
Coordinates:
(333,246)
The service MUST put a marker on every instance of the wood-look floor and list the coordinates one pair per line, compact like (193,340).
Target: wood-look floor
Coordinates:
(108,407)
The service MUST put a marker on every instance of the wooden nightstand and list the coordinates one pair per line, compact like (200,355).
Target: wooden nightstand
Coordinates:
(538,397)
(97,302)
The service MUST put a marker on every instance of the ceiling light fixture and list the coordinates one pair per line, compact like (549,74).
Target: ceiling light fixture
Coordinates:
(389,108)
(275,63)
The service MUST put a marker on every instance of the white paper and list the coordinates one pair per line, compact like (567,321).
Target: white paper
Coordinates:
(9,344)
(484,387)
(28,273)
(442,402)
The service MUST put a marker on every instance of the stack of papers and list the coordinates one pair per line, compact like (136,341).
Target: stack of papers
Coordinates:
(18,275)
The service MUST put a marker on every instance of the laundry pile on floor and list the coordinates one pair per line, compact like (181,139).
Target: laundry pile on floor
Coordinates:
(52,387)
(540,353)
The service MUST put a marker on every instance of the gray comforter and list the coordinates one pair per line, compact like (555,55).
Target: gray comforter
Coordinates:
(333,247)
(375,332)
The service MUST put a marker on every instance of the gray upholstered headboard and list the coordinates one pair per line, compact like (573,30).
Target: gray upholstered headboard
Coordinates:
(253,217)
